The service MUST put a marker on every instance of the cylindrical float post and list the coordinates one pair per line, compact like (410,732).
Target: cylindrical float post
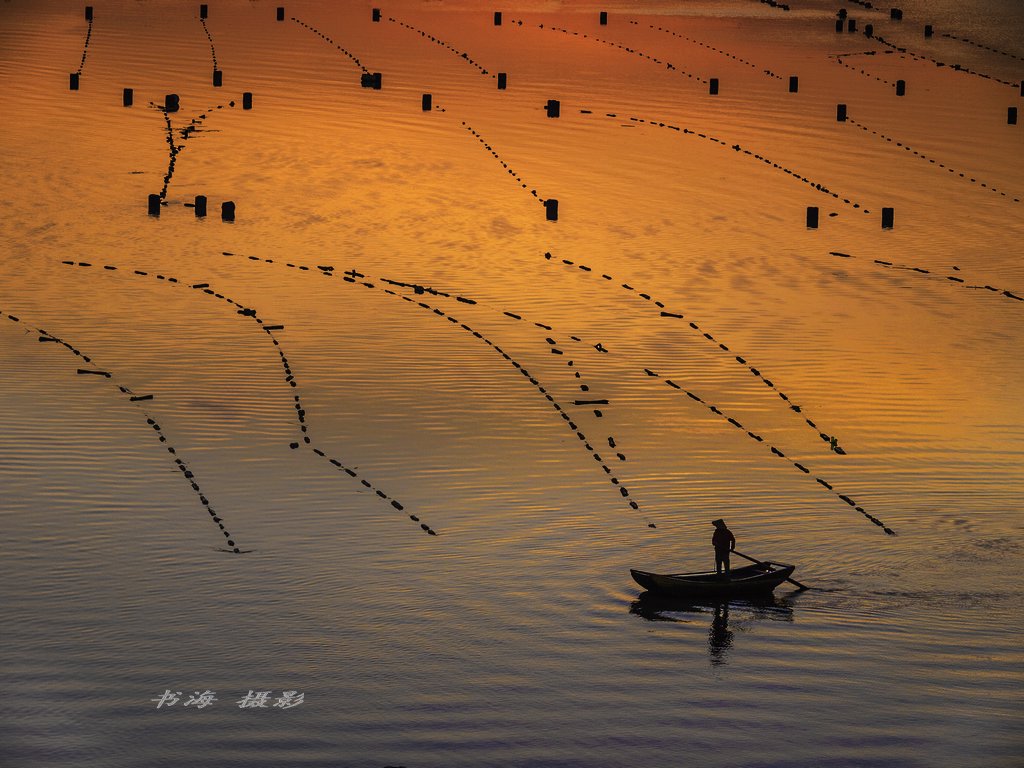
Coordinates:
(247,100)
(841,113)
(376,14)
(203,11)
(812,217)
(896,14)
(171,102)
(128,97)
(280,13)
(901,87)
(841,13)
(503,81)
(604,18)
(227,210)
(928,30)
(154,205)
(869,30)
(88,13)
(1011,115)
(713,86)
(887,218)
(200,206)
(427,104)
(851,25)
(839,25)
(73,81)
(551,209)
(218,78)
(376,81)
(497,18)
(553,107)
(794,83)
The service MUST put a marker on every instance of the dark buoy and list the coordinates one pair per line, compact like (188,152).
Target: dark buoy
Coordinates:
(713,86)
(551,209)
(128,97)
(553,107)
(812,217)
(901,87)
(1011,115)
(227,210)
(88,13)
(73,81)
(203,11)
(280,13)
(839,25)
(247,100)
(366,80)
(841,113)
(376,14)
(869,30)
(497,18)
(503,82)
(851,25)
(794,83)
(896,14)
(927,30)
(376,81)
(604,18)
(171,103)
(154,205)
(200,206)
(218,78)
(841,13)
(427,104)
(887,218)
(1022,87)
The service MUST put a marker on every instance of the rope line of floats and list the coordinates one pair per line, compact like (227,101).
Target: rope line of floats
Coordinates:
(701,43)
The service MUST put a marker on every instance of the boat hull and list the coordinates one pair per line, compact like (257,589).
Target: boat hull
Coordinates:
(758,579)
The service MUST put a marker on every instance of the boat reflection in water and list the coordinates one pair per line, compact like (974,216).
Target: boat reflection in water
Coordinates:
(655,607)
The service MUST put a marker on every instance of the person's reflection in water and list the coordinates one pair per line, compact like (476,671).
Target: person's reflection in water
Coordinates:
(719,635)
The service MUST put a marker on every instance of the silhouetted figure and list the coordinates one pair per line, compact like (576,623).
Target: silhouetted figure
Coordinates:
(724,543)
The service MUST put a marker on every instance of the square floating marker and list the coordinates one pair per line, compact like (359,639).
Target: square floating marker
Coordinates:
(376,81)
(901,87)
(841,113)
(88,13)
(247,100)
(200,206)
(1011,115)
(713,86)
(203,11)
(280,13)
(928,31)
(551,209)
(497,18)
(887,218)
(851,25)
(227,210)
(603,18)
(812,217)
(171,103)
(896,14)
(73,81)
(154,205)
(376,14)
(869,30)
(503,81)
(839,25)
(794,84)
(218,78)
(553,107)
(128,97)
(427,102)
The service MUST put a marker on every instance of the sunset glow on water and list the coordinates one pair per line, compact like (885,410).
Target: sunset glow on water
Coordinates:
(389,442)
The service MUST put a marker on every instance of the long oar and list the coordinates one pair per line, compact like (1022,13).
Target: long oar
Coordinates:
(759,562)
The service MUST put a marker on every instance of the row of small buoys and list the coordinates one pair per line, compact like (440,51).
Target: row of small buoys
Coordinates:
(218,75)
(713,90)
(719,344)
(135,399)
(775,451)
(300,411)
(737,148)
(838,57)
(438,41)
(949,277)
(74,79)
(375,77)
(550,204)
(776,4)
(955,67)
(922,156)
(355,278)
(701,43)
(962,39)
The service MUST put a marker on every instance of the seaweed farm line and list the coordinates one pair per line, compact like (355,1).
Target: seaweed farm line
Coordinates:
(500,303)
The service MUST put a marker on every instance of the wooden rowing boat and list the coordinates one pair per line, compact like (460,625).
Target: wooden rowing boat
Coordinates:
(757,579)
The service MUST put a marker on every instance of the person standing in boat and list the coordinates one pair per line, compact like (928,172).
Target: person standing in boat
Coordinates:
(724,543)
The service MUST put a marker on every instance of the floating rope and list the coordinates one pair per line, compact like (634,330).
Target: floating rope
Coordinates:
(955,67)
(355,59)
(438,41)
(701,43)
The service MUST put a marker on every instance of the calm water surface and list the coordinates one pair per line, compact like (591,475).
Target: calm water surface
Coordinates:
(447,376)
